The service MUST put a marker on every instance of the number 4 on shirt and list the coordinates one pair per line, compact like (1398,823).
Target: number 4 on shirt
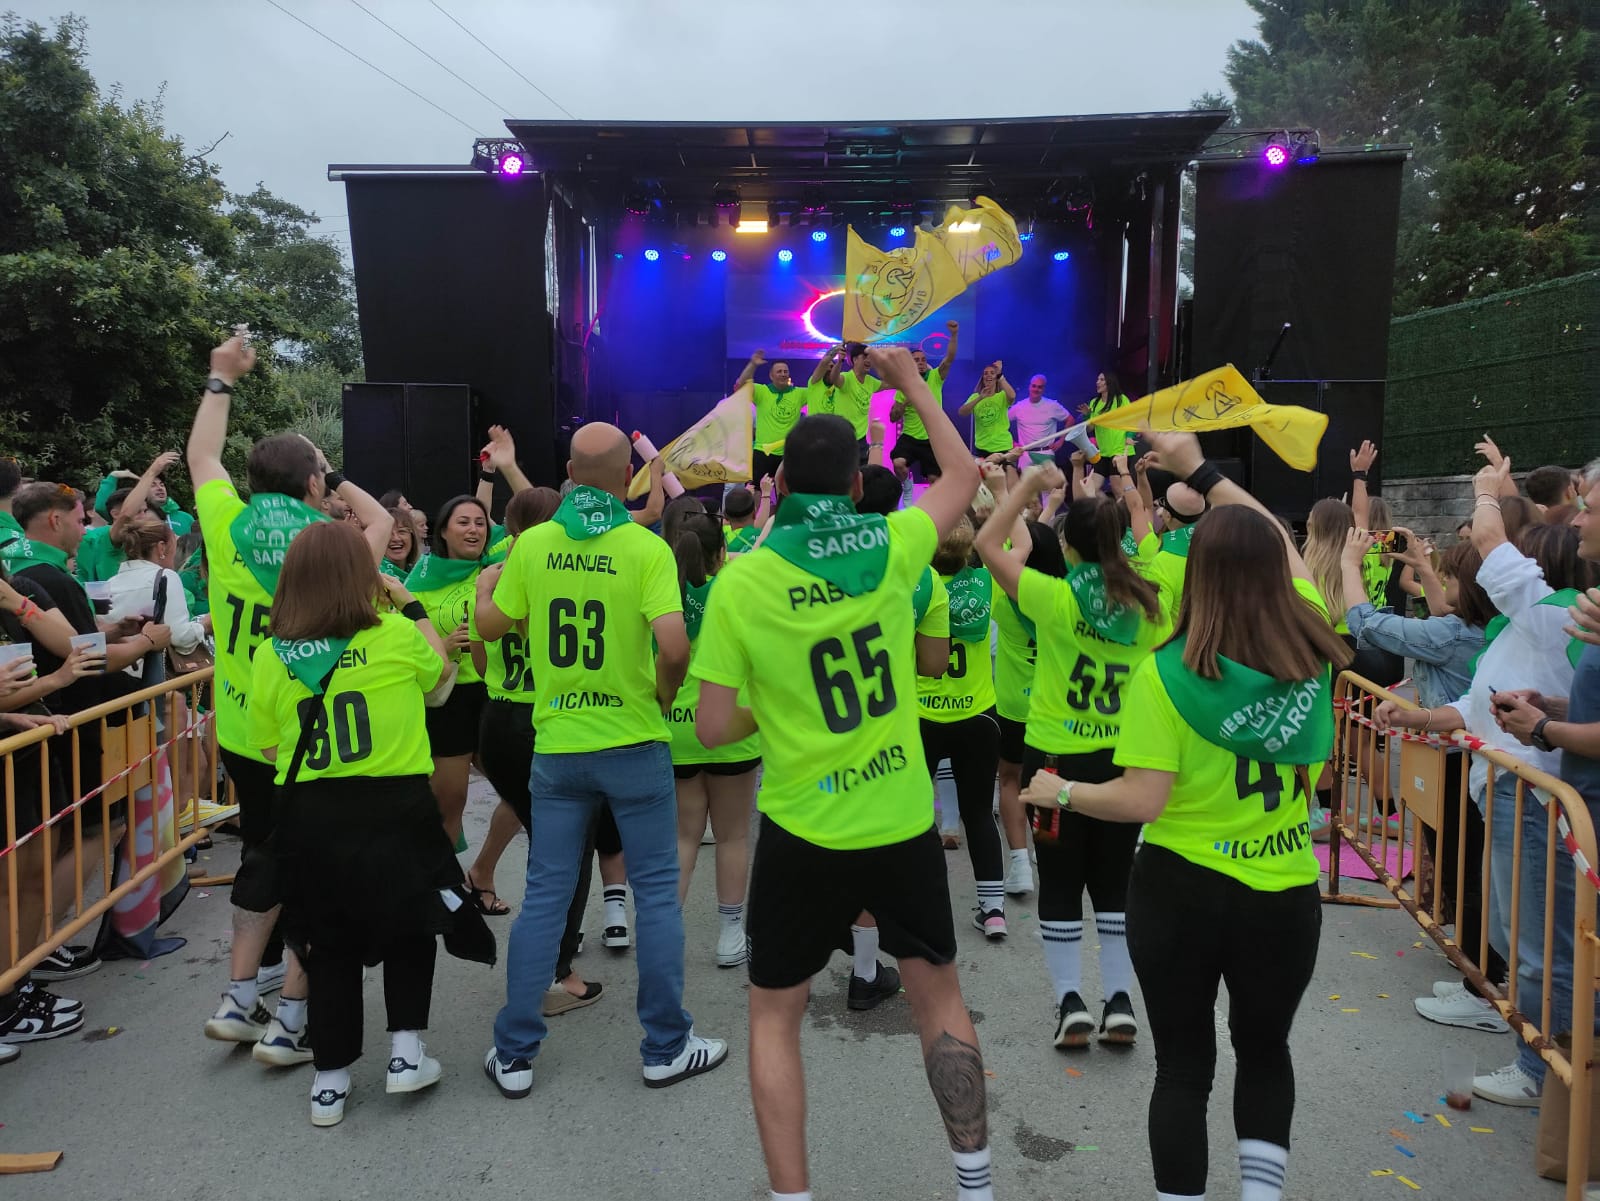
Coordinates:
(1266,780)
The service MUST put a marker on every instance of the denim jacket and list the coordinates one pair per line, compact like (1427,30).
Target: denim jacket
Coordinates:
(1443,647)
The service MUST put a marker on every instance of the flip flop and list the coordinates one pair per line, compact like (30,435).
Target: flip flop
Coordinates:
(498,909)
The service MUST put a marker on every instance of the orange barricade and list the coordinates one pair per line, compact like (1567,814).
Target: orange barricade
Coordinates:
(1390,785)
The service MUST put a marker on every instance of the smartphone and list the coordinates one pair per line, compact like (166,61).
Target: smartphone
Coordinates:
(1502,708)
(1390,541)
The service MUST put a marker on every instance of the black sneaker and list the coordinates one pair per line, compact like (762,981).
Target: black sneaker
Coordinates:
(1073,1023)
(1118,1024)
(42,1000)
(31,1023)
(868,994)
(67,963)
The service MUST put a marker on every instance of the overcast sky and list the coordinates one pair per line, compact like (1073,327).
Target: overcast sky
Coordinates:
(292,102)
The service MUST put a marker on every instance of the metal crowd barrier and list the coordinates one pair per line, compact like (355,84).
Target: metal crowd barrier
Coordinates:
(141,762)
(1367,790)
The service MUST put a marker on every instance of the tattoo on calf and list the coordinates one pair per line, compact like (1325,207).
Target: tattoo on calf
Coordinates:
(955,1073)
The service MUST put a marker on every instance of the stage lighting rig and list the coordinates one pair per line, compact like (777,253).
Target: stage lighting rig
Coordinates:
(502,157)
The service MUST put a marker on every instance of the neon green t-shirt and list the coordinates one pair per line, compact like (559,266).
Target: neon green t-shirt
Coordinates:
(450,607)
(776,413)
(589,605)
(910,423)
(371,719)
(507,674)
(930,604)
(852,400)
(832,682)
(687,749)
(1076,706)
(820,398)
(1165,570)
(991,429)
(1245,819)
(1111,442)
(1014,657)
(967,686)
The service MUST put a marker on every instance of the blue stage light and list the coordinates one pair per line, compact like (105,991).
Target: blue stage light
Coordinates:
(617,255)
(819,235)
(1026,237)
(899,231)
(785,255)
(652,255)
(1061,256)
(719,256)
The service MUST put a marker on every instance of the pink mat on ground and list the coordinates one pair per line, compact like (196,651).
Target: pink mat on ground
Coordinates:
(1352,866)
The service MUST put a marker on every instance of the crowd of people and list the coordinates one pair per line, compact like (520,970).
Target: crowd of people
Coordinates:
(1126,661)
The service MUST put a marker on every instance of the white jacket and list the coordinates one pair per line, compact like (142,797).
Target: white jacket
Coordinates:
(133,591)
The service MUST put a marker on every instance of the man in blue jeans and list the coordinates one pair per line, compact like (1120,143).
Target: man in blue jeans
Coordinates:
(589,590)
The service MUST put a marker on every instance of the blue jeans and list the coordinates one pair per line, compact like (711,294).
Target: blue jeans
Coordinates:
(567,791)
(1531,968)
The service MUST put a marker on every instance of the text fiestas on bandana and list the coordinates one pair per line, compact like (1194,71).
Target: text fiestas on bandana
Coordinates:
(1250,713)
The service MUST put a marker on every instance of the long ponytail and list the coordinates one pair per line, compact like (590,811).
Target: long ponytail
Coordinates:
(698,546)
(1093,529)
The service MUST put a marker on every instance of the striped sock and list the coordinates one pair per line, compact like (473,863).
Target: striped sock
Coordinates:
(616,902)
(992,896)
(1116,968)
(731,915)
(973,1182)
(1262,1167)
(1063,955)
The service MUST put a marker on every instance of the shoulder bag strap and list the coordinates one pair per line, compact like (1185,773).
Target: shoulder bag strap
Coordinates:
(308,723)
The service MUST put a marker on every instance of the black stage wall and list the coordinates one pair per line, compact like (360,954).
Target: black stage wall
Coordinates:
(450,282)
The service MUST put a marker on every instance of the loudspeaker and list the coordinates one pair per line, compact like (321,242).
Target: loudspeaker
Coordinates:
(375,436)
(1355,412)
(418,438)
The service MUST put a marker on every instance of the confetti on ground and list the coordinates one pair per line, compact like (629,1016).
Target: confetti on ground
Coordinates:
(1400,954)
(1400,1134)
(1442,1120)
(202,895)
(1383,996)
(1413,1117)
(1074,1073)
(1383,1171)
(1333,996)
(1349,1011)
(1362,955)
(1481,1129)
(1086,1148)
(1416,946)
(1406,1151)
(1410,1184)
(988,1073)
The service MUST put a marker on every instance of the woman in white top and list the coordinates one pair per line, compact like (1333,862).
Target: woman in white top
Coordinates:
(151,548)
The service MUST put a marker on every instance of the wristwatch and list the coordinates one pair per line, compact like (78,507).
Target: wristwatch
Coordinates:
(1064,797)
(217,384)
(1537,736)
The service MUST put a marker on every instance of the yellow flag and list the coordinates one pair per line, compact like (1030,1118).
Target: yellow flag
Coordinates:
(886,292)
(981,240)
(1223,400)
(714,450)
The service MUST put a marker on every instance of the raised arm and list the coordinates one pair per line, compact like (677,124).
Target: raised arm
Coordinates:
(1360,463)
(1005,384)
(1356,544)
(749,372)
(949,351)
(764,507)
(1123,484)
(502,452)
(947,498)
(656,502)
(876,451)
(1006,521)
(1488,449)
(376,524)
(230,362)
(824,366)
(1488,526)
(139,495)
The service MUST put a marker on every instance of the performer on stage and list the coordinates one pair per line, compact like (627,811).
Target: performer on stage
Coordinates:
(1108,395)
(778,404)
(911,447)
(991,430)
(853,392)
(1037,416)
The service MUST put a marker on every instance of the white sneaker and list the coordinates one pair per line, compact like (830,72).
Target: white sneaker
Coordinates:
(1509,1085)
(731,945)
(1462,1008)
(405,1077)
(281,1047)
(8,1052)
(1019,879)
(327,1105)
(1445,988)
(698,1055)
(270,979)
(231,1024)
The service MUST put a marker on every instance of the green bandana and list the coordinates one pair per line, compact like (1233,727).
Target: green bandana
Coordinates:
(262,534)
(10,534)
(26,553)
(742,541)
(824,536)
(1566,598)
(390,570)
(1251,714)
(588,512)
(1176,542)
(970,590)
(922,595)
(1113,622)
(434,572)
(694,605)
(1130,545)
(311,660)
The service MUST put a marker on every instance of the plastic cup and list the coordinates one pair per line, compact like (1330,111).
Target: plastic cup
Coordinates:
(95,642)
(11,652)
(1460,1065)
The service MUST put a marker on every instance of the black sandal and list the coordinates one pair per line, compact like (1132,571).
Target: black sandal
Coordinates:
(498,909)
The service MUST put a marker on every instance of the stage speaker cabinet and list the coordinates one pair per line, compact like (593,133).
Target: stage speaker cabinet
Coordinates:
(420,438)
(1354,409)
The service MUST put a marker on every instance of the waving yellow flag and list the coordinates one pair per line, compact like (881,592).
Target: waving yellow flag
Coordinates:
(981,240)
(1224,400)
(714,450)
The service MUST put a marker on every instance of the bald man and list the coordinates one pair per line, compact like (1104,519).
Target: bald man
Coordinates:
(595,589)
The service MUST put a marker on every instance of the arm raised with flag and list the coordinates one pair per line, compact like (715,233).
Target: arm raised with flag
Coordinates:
(946,498)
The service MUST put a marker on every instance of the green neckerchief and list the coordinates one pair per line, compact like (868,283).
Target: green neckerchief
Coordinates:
(310,660)
(824,536)
(263,531)
(1565,598)
(970,590)
(390,570)
(27,553)
(434,572)
(1130,545)
(694,605)
(10,532)
(922,595)
(1176,542)
(743,540)
(587,512)
(1113,622)
(1249,713)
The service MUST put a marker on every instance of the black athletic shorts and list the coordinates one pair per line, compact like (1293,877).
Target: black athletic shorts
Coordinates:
(803,899)
(763,464)
(688,771)
(1011,738)
(916,452)
(256,792)
(607,838)
(453,727)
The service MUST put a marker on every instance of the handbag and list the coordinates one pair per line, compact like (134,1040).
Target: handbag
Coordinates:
(182,663)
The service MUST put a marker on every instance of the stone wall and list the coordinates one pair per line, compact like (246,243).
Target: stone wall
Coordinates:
(1431,506)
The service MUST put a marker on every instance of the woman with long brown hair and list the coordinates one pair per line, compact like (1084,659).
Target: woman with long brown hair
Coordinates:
(1222,728)
(404,548)
(337,701)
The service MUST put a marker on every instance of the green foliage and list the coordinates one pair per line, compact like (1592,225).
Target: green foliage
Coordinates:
(120,267)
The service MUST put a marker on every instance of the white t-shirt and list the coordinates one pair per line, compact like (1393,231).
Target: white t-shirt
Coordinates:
(133,591)
(1037,419)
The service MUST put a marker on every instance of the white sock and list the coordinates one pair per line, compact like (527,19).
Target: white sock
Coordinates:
(731,915)
(1063,955)
(865,952)
(1180,1197)
(1020,858)
(338,1081)
(243,993)
(1116,968)
(1262,1167)
(992,895)
(805,1196)
(973,1182)
(292,1013)
(406,1045)
(616,901)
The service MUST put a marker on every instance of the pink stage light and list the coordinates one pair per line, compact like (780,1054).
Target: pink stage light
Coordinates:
(512,164)
(1275,155)
(810,325)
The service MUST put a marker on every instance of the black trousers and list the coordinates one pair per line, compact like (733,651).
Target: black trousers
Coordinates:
(335,1008)
(973,747)
(1077,852)
(1470,933)
(1190,928)
(505,751)
(256,791)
